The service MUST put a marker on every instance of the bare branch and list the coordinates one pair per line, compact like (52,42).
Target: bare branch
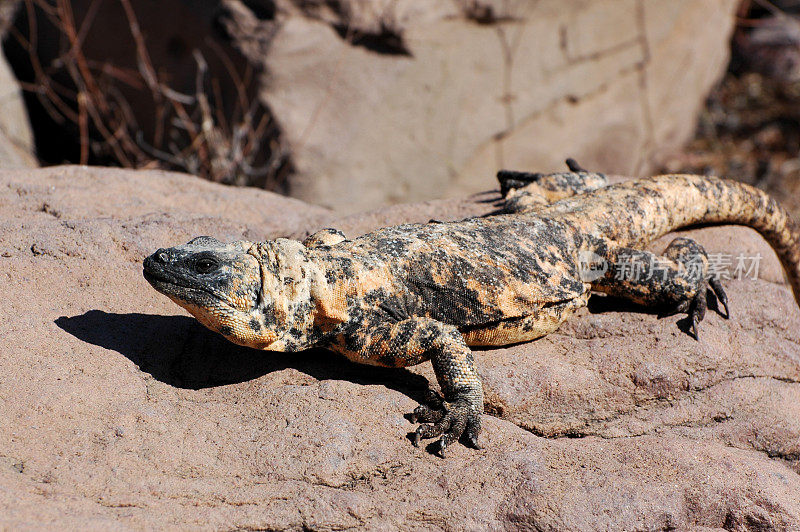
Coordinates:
(230,142)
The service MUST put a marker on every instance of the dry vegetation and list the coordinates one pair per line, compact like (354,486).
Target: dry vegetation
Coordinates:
(199,132)
(750,127)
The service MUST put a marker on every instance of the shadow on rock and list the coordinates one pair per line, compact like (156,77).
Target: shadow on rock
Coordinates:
(599,304)
(182,353)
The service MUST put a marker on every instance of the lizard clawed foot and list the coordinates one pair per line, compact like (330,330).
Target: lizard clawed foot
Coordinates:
(722,297)
(695,273)
(431,412)
(450,420)
(696,306)
(511,179)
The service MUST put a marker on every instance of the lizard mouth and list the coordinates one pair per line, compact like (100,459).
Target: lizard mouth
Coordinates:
(153,278)
(166,282)
(158,276)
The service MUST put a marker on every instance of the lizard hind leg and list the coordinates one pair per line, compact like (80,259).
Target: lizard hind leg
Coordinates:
(694,258)
(678,281)
(512,179)
(525,192)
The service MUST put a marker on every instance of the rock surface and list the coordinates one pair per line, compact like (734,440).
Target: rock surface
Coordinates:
(121,411)
(16,136)
(374,102)
(409,100)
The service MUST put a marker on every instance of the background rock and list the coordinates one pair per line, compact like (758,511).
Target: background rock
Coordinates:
(16,136)
(384,102)
(126,91)
(368,103)
(120,410)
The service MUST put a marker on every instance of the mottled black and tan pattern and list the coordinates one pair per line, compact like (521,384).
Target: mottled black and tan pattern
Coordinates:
(408,294)
(324,238)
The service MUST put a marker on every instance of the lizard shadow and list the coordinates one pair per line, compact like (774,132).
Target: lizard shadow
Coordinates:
(178,351)
(599,304)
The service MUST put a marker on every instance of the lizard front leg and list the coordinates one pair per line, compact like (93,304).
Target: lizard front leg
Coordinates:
(414,340)
(460,412)
(677,281)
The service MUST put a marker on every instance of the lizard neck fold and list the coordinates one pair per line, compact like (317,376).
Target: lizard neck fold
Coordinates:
(292,285)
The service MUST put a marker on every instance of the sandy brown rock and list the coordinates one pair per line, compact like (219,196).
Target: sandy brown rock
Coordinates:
(16,138)
(411,100)
(375,102)
(121,411)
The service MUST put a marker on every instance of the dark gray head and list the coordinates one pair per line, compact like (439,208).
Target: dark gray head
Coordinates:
(219,284)
(260,295)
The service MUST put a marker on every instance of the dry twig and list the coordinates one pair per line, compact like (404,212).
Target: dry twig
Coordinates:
(192,132)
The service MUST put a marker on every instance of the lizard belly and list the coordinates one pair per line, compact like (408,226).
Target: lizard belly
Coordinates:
(524,328)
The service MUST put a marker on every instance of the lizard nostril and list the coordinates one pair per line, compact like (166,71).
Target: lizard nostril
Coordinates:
(162,257)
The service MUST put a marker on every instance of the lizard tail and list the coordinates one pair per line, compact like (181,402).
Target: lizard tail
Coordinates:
(635,212)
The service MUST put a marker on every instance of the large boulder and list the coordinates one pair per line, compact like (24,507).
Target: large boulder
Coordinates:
(119,410)
(16,137)
(386,101)
(392,101)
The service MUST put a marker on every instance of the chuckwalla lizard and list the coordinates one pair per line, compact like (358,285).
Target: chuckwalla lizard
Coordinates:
(403,295)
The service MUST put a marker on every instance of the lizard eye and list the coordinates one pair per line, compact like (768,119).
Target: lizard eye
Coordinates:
(205,265)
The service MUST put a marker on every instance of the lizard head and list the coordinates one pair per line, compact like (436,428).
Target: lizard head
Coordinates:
(257,295)
(218,283)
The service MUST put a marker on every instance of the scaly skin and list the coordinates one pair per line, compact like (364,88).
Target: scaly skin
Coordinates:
(407,294)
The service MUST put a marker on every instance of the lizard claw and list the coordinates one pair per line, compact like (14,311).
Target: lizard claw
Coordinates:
(696,306)
(722,297)
(697,310)
(450,421)
(573,165)
(442,446)
(472,441)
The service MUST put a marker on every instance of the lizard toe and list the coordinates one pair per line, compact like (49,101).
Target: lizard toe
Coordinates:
(471,432)
(697,311)
(432,430)
(458,423)
(431,411)
(426,414)
(722,297)
(459,420)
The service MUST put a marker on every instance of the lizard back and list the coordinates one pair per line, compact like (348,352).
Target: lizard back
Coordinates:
(472,273)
